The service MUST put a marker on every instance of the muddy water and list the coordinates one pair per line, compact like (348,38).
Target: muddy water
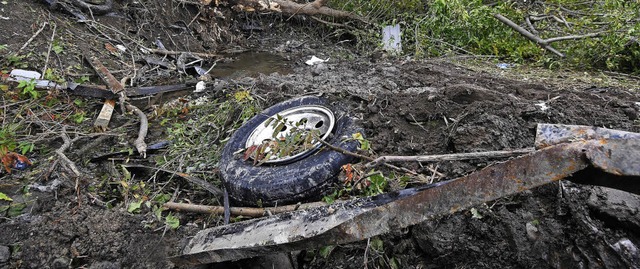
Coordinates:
(251,64)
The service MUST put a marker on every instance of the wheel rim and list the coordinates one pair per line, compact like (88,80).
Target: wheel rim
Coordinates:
(307,118)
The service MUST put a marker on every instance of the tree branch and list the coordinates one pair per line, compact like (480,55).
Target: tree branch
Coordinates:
(240,211)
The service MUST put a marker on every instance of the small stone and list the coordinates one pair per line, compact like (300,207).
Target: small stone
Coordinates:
(532,231)
(5,254)
(318,69)
(60,263)
(105,265)
(631,113)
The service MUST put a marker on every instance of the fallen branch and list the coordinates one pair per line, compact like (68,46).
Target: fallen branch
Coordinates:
(240,211)
(173,52)
(60,152)
(450,157)
(32,37)
(544,43)
(360,156)
(139,143)
(317,7)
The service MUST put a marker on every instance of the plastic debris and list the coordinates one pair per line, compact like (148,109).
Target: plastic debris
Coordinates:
(504,66)
(200,86)
(391,40)
(315,60)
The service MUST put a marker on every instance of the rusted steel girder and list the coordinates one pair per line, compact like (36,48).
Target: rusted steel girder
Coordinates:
(366,217)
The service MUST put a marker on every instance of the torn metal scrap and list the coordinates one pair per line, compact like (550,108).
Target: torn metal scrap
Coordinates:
(366,217)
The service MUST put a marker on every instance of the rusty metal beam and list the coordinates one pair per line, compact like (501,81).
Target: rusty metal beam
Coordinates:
(366,217)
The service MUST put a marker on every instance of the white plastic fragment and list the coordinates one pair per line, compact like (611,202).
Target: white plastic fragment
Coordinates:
(543,106)
(121,48)
(27,75)
(391,39)
(200,86)
(315,60)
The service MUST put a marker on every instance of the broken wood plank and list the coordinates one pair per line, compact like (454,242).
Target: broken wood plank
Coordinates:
(102,121)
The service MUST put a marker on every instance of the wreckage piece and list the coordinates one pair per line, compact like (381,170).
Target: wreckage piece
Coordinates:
(102,122)
(366,217)
(553,134)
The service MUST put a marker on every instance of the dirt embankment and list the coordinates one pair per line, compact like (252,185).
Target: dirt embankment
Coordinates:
(406,107)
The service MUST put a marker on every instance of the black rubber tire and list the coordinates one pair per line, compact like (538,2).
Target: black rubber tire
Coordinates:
(286,183)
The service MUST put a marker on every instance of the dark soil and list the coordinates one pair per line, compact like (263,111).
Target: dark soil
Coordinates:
(407,107)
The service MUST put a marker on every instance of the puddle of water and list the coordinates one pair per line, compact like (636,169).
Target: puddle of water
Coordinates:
(251,64)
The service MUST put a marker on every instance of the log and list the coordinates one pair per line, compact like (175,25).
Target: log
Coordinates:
(317,7)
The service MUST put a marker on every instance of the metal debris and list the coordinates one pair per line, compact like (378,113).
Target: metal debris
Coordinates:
(609,162)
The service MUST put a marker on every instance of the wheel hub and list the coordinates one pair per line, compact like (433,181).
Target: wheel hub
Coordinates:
(301,119)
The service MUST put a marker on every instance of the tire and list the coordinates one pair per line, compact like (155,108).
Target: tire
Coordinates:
(274,184)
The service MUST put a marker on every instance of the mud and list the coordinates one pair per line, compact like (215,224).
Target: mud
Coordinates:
(407,107)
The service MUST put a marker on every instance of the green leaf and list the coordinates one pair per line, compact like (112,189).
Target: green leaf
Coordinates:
(277,130)
(326,251)
(172,221)
(16,209)
(134,206)
(376,244)
(5,197)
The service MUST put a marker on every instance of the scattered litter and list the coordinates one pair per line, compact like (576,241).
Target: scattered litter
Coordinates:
(53,186)
(27,75)
(200,86)
(315,60)
(391,39)
(532,231)
(4,18)
(505,65)
(121,48)
(543,106)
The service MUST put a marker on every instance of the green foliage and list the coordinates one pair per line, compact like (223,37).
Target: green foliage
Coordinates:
(434,28)
(172,221)
(7,140)
(5,197)
(57,47)
(28,87)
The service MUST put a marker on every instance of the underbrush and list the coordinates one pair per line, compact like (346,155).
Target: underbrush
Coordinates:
(435,28)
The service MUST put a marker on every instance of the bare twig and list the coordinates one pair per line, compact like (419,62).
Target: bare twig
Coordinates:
(544,43)
(139,143)
(173,52)
(528,34)
(451,157)
(240,211)
(360,156)
(46,61)
(572,37)
(32,37)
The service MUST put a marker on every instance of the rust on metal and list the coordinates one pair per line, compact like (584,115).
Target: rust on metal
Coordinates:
(366,217)
(553,134)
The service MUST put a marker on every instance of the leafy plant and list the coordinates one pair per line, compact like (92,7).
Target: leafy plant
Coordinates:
(172,221)
(5,197)
(57,47)
(28,87)
(295,140)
